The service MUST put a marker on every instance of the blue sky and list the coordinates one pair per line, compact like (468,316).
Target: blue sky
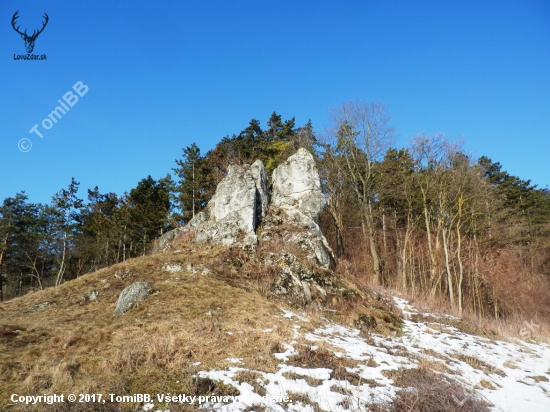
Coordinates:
(164,74)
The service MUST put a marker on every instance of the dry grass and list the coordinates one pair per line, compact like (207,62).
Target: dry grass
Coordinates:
(304,399)
(539,378)
(427,391)
(308,379)
(510,365)
(478,364)
(254,379)
(75,345)
(514,326)
(58,341)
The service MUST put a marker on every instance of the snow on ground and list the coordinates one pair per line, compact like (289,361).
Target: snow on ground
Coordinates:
(513,377)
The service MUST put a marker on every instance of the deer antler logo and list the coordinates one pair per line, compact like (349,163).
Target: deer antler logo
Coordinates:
(29,40)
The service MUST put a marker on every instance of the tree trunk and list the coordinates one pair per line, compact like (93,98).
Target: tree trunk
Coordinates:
(447,267)
(61,271)
(2,253)
(372,244)
(460,266)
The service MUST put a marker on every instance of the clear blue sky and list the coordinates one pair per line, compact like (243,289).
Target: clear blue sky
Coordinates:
(162,74)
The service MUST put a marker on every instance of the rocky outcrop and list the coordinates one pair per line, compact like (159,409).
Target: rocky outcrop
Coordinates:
(236,209)
(283,229)
(131,296)
(259,174)
(242,202)
(297,200)
(295,281)
(297,186)
(233,213)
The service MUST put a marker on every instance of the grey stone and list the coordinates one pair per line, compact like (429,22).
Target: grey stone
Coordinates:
(172,267)
(365,322)
(131,296)
(296,184)
(295,281)
(233,213)
(235,199)
(259,174)
(163,243)
(241,209)
(123,274)
(91,295)
(291,231)
(39,306)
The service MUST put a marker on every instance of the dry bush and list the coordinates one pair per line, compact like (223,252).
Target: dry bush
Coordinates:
(516,283)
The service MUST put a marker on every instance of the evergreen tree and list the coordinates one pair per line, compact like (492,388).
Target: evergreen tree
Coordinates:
(65,225)
(191,188)
(98,240)
(149,209)
(24,248)
(10,216)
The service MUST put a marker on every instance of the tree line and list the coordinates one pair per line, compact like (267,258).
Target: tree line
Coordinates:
(434,220)
(427,218)
(44,245)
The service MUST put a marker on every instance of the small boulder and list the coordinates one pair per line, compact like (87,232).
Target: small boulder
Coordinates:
(123,274)
(131,296)
(172,268)
(91,295)
(39,306)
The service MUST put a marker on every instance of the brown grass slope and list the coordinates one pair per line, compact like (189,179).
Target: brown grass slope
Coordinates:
(60,341)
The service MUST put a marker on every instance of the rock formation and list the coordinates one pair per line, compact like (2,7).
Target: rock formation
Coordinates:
(297,200)
(233,213)
(283,229)
(297,186)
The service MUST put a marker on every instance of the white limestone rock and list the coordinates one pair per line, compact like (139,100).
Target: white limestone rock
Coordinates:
(296,201)
(233,213)
(296,184)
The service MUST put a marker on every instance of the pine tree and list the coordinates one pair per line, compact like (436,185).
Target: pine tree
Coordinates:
(150,206)
(65,210)
(191,187)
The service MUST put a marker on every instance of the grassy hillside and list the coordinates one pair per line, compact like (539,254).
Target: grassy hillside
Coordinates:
(66,340)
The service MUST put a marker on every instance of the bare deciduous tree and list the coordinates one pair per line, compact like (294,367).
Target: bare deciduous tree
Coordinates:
(360,135)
